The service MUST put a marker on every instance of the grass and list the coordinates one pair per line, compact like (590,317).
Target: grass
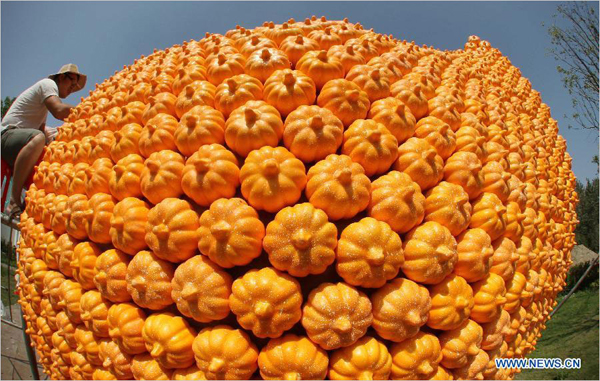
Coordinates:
(571,333)
(5,280)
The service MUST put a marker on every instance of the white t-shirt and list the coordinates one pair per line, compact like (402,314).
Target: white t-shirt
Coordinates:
(29,110)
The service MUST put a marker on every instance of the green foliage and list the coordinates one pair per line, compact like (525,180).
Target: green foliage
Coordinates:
(587,231)
(576,49)
(6,103)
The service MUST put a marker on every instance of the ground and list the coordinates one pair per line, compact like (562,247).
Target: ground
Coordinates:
(571,333)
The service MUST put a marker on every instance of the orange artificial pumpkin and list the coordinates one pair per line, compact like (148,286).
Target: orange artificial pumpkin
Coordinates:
(266,301)
(345,100)
(420,161)
(460,344)
(125,178)
(311,133)
(101,145)
(448,204)
(149,281)
(125,324)
(292,357)
(212,172)
(199,126)
(514,222)
(100,213)
(79,181)
(191,373)
(474,249)
(489,295)
(94,312)
(98,177)
(336,315)
(197,93)
(451,303)
(272,178)
(65,245)
(190,286)
(369,253)
(224,66)
(474,368)
(371,145)
(59,219)
(515,289)
(115,361)
(413,98)
(489,215)
(400,308)
(464,169)
(338,186)
(83,264)
(395,116)
(81,369)
(416,358)
(494,331)
(263,62)
(437,133)
(495,180)
(288,89)
(296,46)
(88,345)
(171,230)
(169,340)
(144,367)
(300,240)
(128,225)
(76,213)
(429,253)
(158,135)
(347,55)
(237,91)
(320,67)
(504,258)
(224,353)
(161,176)
(368,358)
(110,270)
(252,126)
(230,233)
(397,200)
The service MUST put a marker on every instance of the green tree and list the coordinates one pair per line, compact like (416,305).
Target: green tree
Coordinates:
(6,103)
(586,233)
(576,49)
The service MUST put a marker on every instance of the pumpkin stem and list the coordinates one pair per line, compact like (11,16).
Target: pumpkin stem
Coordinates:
(191,121)
(500,300)
(271,167)
(374,136)
(366,375)
(473,349)
(300,40)
(376,75)
(221,230)
(344,176)
(157,350)
(430,155)
(107,363)
(353,95)
(263,310)
(289,79)
(221,58)
(292,376)
(322,56)
(316,122)
(342,325)
(117,223)
(119,170)
(250,116)
(153,166)
(425,368)
(202,165)
(189,91)
(350,49)
(216,365)
(139,283)
(400,110)
(375,256)
(301,239)
(265,55)
(189,292)
(254,40)
(414,318)
(100,277)
(161,231)
(444,252)
(151,127)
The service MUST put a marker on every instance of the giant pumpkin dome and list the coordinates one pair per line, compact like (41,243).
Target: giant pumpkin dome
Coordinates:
(300,200)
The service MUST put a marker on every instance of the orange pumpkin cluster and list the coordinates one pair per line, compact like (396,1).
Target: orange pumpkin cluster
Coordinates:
(299,201)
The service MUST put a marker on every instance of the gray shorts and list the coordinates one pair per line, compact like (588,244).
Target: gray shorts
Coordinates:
(13,140)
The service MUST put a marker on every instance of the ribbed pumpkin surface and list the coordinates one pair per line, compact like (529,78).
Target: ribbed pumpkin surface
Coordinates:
(303,200)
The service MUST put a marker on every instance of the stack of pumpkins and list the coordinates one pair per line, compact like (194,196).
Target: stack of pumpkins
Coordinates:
(304,200)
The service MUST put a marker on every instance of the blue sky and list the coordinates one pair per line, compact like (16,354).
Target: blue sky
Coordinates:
(101,37)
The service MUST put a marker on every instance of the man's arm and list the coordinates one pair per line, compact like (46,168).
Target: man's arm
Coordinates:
(58,109)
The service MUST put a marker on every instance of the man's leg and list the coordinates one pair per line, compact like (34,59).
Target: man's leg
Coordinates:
(24,164)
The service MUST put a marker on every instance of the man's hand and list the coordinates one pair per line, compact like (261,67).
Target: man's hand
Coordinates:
(57,108)
(50,133)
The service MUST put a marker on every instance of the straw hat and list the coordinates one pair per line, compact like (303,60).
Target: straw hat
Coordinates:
(72,68)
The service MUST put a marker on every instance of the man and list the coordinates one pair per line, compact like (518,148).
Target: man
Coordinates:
(24,130)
